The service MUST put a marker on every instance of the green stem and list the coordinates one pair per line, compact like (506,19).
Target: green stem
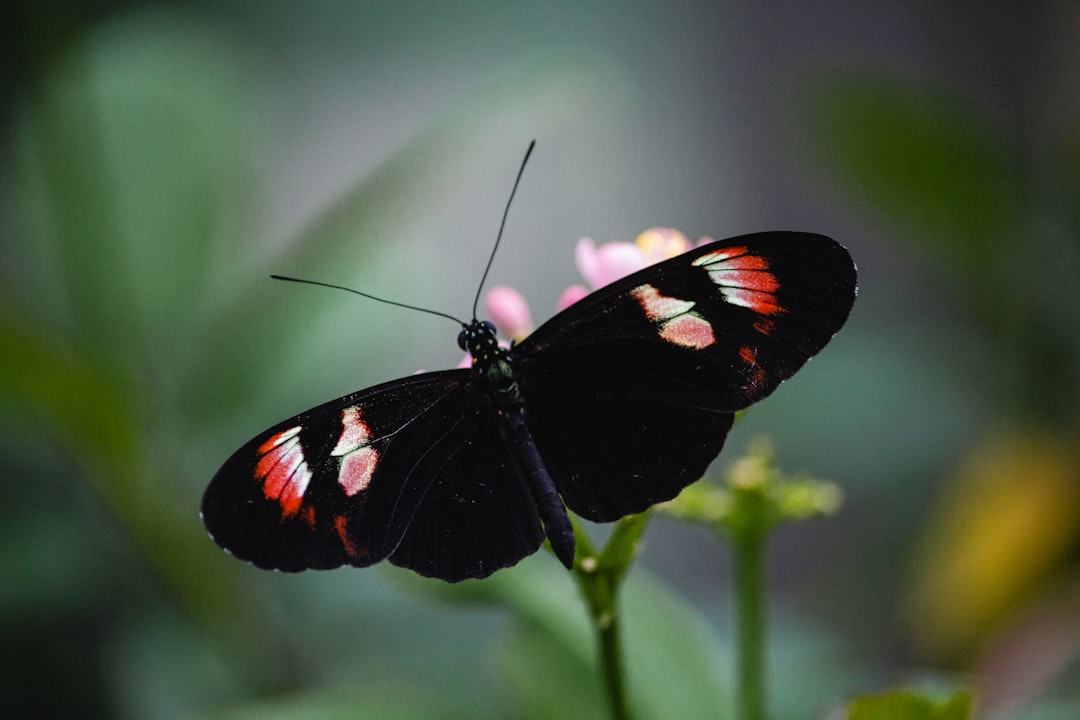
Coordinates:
(599,576)
(755,500)
(611,666)
(750,625)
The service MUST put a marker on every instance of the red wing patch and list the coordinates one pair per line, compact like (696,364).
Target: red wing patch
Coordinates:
(756,373)
(282,470)
(743,279)
(358,458)
(678,324)
(346,542)
(764,325)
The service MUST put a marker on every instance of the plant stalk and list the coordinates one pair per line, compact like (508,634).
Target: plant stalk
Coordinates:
(750,625)
(611,666)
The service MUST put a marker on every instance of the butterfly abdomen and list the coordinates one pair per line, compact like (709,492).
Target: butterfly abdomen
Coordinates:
(494,365)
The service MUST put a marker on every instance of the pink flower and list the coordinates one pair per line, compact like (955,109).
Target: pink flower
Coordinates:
(607,263)
(570,296)
(659,243)
(611,261)
(509,311)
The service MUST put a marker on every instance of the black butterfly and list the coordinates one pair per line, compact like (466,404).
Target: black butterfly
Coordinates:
(615,404)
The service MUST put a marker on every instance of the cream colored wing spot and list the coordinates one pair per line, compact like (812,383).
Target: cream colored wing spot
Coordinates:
(358,458)
(674,318)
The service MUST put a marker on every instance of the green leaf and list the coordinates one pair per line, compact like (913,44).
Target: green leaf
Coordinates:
(549,680)
(911,705)
(926,160)
(92,413)
(670,653)
(755,498)
(623,546)
(964,193)
(549,657)
(406,706)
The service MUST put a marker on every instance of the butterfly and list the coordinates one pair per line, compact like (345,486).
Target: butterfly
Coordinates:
(613,405)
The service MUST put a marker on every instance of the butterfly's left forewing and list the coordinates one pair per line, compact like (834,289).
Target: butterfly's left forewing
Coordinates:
(631,391)
(360,479)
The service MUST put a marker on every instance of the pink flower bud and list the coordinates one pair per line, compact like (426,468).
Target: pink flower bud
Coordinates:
(509,311)
(570,296)
(660,243)
(608,263)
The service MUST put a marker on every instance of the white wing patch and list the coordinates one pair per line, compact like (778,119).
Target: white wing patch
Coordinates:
(675,319)
(358,458)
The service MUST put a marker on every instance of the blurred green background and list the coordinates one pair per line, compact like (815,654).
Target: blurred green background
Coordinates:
(159,160)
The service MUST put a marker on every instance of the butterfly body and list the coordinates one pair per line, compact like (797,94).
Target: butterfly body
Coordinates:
(613,405)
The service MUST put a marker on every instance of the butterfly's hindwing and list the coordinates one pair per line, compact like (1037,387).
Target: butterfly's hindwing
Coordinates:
(477,516)
(610,459)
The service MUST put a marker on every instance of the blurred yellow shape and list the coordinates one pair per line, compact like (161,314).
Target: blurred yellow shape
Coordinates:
(1003,525)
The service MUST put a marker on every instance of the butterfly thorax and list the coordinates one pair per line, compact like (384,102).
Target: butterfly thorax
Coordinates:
(492,363)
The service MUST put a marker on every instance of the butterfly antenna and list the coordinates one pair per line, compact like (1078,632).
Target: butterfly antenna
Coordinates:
(370,297)
(506,212)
